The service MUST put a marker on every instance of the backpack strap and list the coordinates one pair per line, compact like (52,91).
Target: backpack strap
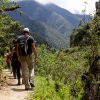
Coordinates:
(26,45)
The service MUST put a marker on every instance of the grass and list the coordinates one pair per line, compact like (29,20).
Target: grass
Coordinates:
(45,90)
(69,66)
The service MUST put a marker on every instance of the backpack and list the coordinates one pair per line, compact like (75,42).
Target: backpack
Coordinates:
(23,47)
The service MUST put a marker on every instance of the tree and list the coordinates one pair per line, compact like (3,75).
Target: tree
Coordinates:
(6,6)
(8,27)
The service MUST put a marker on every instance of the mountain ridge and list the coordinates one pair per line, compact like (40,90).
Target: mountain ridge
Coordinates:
(47,23)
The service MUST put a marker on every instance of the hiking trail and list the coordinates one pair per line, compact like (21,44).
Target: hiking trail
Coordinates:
(12,91)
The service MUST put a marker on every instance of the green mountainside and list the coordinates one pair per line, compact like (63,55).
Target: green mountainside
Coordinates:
(48,23)
(72,73)
(68,74)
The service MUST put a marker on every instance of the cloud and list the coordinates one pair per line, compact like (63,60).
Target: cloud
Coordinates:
(73,5)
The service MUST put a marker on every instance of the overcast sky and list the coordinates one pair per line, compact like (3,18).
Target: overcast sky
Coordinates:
(75,6)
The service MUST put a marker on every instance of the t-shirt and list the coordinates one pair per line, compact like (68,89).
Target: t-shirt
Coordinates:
(29,39)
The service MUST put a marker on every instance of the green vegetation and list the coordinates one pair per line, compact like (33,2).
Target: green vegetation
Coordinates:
(2,77)
(86,35)
(48,23)
(8,31)
(70,74)
(58,74)
(66,74)
(9,28)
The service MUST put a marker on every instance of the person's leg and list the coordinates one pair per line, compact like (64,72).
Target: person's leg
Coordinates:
(18,72)
(31,70)
(25,72)
(7,64)
(31,73)
(14,69)
(10,67)
(15,72)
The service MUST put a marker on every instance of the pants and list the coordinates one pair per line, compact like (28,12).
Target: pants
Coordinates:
(9,65)
(16,69)
(27,69)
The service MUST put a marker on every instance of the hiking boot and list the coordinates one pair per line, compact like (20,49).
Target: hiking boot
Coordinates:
(15,77)
(18,82)
(27,89)
(32,85)
(22,81)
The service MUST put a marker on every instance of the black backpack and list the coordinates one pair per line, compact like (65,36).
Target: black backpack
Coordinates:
(23,47)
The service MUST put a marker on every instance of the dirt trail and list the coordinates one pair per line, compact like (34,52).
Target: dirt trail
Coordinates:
(12,91)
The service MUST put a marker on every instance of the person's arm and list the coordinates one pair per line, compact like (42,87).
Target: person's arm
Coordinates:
(35,52)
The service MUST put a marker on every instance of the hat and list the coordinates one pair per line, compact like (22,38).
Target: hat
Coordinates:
(26,30)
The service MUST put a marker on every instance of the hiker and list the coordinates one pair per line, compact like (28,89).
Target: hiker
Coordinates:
(15,63)
(7,56)
(25,47)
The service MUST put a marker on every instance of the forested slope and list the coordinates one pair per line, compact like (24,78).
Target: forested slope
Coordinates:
(89,36)
(48,23)
(73,73)
(67,74)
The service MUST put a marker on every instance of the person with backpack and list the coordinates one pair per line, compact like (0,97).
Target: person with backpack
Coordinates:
(15,63)
(25,47)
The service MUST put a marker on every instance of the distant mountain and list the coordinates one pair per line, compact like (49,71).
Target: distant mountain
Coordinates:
(49,24)
(74,19)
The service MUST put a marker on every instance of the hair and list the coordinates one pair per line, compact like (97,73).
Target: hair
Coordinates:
(7,50)
(14,41)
